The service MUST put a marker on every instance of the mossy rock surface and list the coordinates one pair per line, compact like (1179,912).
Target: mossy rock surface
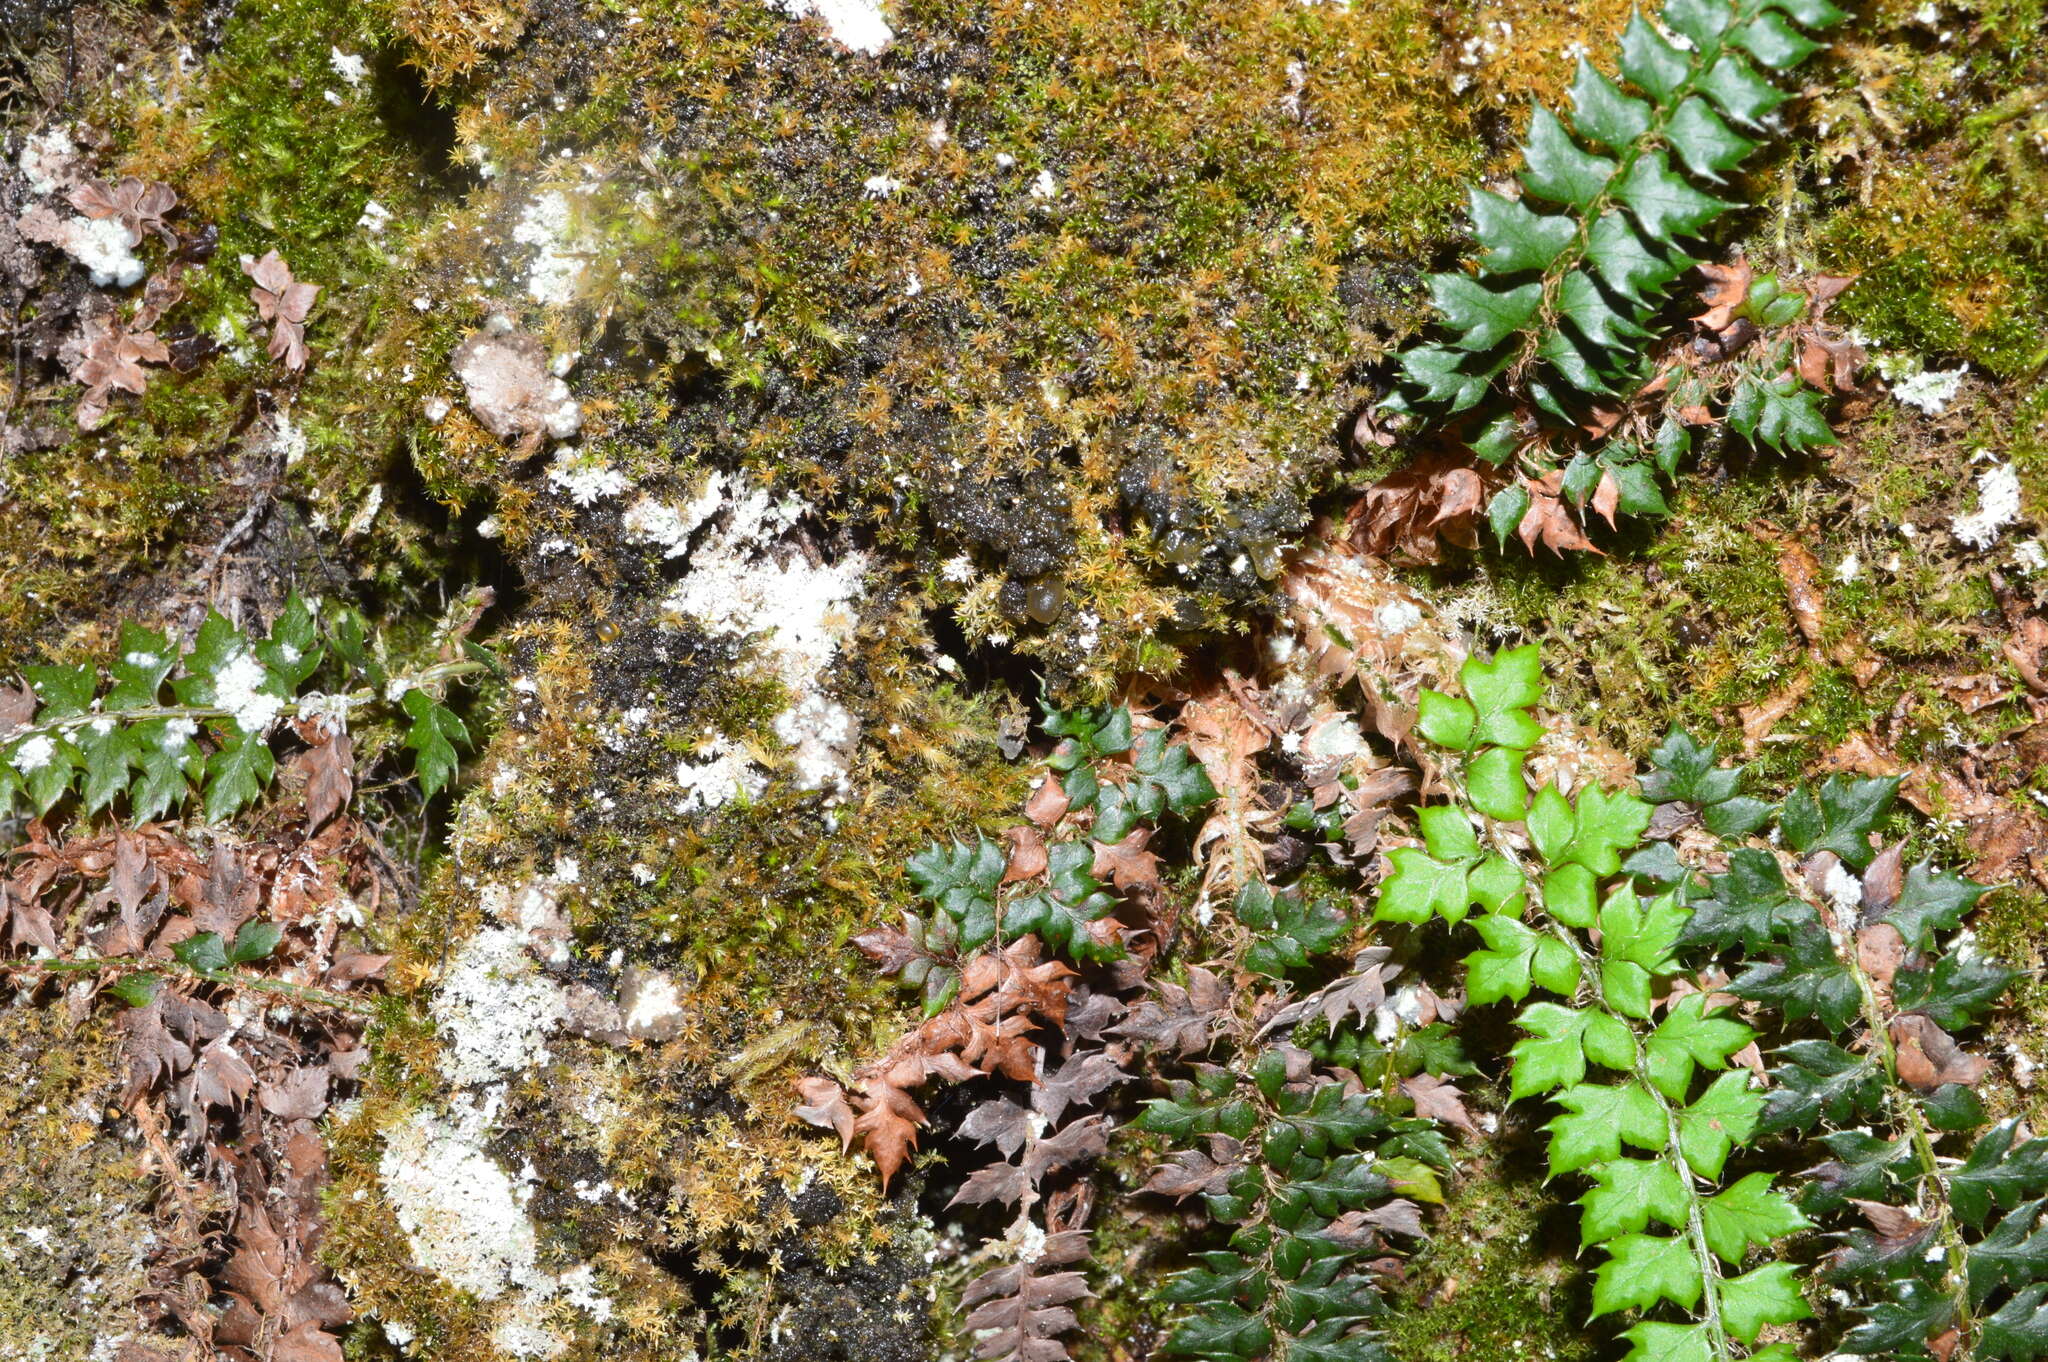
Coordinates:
(1011,360)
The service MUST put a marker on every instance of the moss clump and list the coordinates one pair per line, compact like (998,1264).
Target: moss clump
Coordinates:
(1935,181)
(1508,1289)
(75,1205)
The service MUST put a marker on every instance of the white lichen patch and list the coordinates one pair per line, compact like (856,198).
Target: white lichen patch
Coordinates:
(855,24)
(1998,505)
(510,388)
(462,1214)
(670,526)
(49,160)
(353,69)
(548,226)
(587,477)
(238,689)
(650,1004)
(494,1010)
(102,245)
(822,734)
(796,610)
(533,910)
(737,587)
(722,774)
(1930,390)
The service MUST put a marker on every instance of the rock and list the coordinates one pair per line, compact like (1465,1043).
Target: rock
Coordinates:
(511,392)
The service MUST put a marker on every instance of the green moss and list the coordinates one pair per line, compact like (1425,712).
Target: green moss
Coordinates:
(1508,1288)
(1939,184)
(74,1204)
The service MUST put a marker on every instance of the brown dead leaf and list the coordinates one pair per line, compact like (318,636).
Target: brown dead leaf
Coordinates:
(1727,292)
(1928,1057)
(355,967)
(1128,865)
(1225,738)
(138,205)
(1027,854)
(1048,803)
(17,707)
(1880,950)
(1412,512)
(1606,497)
(825,1105)
(301,1096)
(284,302)
(1801,572)
(1890,1222)
(1548,520)
(306,1343)
(330,777)
(1438,1100)
(1759,719)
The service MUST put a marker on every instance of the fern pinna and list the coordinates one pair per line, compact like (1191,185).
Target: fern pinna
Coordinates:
(1653,1132)
(1553,339)
(1944,1254)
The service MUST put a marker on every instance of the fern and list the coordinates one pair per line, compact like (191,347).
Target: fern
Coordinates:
(1859,959)
(67,735)
(1285,1145)
(1302,1173)
(1549,339)
(1651,1110)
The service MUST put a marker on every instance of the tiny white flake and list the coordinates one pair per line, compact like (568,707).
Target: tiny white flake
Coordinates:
(348,66)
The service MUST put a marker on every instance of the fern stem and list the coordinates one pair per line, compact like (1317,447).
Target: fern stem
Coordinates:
(135,964)
(420,680)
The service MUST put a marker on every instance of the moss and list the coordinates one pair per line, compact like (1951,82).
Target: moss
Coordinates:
(1936,182)
(1507,1289)
(1215,252)
(75,1206)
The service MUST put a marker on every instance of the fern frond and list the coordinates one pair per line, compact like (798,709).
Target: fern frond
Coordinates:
(1550,338)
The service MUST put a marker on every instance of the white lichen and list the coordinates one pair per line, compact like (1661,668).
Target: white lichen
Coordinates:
(586,477)
(670,526)
(555,271)
(821,734)
(1998,505)
(462,1214)
(49,161)
(33,755)
(238,689)
(1931,390)
(494,1010)
(726,775)
(855,24)
(102,245)
(351,68)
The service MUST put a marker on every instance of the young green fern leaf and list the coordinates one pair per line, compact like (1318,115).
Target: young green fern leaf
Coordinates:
(1848,941)
(1555,326)
(1651,1110)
